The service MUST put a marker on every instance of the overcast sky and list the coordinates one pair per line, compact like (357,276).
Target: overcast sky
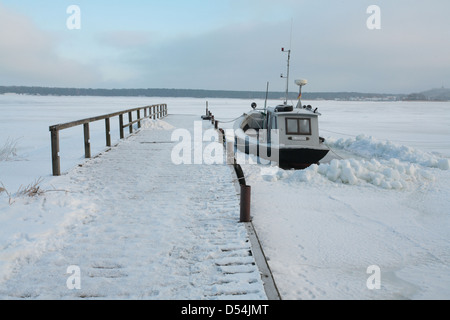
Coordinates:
(226,44)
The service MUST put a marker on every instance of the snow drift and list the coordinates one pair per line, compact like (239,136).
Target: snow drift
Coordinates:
(156,125)
(382,164)
(368,147)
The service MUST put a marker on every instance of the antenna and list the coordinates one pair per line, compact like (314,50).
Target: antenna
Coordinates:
(287,76)
(288,62)
(267,93)
(290,39)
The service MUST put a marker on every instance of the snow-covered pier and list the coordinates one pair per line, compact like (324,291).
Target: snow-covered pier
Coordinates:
(140,227)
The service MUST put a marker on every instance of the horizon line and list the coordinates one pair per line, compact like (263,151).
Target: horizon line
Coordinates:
(208,90)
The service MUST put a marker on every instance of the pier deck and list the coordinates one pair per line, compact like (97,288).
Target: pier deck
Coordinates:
(144,228)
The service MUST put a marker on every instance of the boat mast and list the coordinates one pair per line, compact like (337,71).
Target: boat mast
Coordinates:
(267,93)
(287,76)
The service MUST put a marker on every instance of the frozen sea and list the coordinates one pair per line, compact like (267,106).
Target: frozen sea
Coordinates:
(379,202)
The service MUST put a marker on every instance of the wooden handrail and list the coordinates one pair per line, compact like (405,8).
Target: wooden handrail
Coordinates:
(92,119)
(156,111)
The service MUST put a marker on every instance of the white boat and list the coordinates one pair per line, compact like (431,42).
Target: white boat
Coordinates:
(283,134)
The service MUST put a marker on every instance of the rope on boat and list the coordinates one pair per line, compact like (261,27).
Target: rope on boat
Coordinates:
(344,134)
(220,121)
(340,158)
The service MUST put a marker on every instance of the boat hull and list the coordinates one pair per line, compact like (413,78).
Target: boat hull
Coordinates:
(300,158)
(287,157)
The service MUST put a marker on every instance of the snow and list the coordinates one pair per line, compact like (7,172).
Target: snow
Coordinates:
(321,236)
(371,202)
(370,147)
(380,198)
(120,224)
(137,226)
(156,125)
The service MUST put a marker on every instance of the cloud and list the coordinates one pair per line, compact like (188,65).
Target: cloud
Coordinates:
(331,47)
(124,39)
(28,56)
(238,48)
(234,57)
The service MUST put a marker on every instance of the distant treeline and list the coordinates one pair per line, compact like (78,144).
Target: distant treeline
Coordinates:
(440,94)
(44,91)
(193,93)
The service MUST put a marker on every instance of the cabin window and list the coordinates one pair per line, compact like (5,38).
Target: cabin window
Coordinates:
(292,126)
(305,126)
(299,126)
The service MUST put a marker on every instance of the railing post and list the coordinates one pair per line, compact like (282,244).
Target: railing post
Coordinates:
(87,143)
(130,120)
(122,135)
(56,166)
(139,118)
(154,112)
(108,132)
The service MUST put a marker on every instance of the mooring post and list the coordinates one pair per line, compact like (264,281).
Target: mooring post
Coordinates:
(56,167)
(87,142)
(216,125)
(222,136)
(245,203)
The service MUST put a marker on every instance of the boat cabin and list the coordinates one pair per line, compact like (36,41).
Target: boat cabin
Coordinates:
(294,125)
(299,125)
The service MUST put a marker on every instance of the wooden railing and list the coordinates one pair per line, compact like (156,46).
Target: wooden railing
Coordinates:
(155,111)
